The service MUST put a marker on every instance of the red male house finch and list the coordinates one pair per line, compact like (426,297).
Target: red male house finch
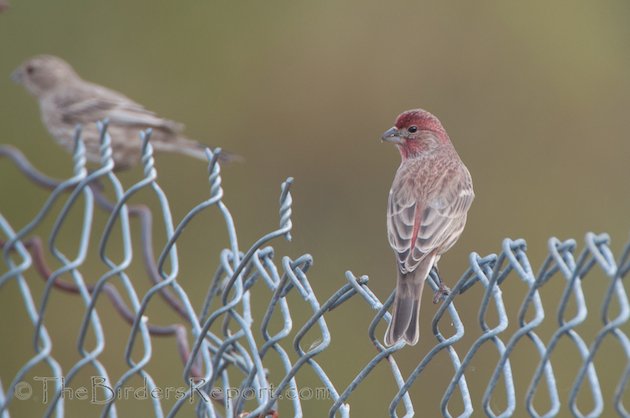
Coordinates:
(426,212)
(65,100)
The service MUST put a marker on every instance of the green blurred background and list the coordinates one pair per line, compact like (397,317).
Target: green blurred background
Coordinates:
(535,96)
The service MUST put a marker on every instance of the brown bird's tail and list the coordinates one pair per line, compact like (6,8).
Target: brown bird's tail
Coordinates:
(405,313)
(192,148)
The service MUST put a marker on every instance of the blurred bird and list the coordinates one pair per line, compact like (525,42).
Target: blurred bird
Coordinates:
(65,100)
(426,212)
(4,5)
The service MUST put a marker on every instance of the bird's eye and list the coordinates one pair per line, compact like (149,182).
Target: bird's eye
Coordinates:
(412,129)
(30,69)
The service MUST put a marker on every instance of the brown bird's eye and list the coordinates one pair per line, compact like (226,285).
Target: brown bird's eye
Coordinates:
(412,129)
(30,69)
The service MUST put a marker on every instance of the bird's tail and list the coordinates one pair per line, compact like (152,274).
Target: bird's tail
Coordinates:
(405,313)
(192,148)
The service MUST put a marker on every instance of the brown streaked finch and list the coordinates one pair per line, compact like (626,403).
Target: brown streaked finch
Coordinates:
(426,212)
(66,100)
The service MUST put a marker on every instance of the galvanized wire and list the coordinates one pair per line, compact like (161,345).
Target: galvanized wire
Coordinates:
(229,343)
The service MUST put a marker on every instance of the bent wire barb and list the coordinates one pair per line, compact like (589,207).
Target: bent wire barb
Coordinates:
(223,348)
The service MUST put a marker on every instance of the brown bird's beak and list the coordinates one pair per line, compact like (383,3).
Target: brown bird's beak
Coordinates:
(16,76)
(392,135)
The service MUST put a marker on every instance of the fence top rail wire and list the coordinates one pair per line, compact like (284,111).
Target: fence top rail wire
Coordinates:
(224,350)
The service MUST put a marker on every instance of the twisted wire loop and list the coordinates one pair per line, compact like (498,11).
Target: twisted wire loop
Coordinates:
(226,349)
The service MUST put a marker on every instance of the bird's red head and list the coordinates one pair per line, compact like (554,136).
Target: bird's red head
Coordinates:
(416,131)
(422,119)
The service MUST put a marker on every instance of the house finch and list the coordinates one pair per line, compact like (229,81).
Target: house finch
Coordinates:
(65,100)
(426,211)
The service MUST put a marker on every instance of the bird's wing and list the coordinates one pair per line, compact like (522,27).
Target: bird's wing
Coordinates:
(417,227)
(95,103)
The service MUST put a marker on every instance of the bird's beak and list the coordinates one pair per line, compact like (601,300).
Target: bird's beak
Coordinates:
(16,76)
(392,135)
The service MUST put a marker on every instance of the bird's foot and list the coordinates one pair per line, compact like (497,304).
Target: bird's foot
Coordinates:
(442,292)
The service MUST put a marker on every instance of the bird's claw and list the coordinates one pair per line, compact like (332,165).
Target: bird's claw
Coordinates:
(441,293)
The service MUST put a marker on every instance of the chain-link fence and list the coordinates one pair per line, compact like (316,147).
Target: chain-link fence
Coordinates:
(225,350)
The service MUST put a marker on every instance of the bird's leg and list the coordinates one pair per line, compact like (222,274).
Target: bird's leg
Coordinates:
(443,290)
